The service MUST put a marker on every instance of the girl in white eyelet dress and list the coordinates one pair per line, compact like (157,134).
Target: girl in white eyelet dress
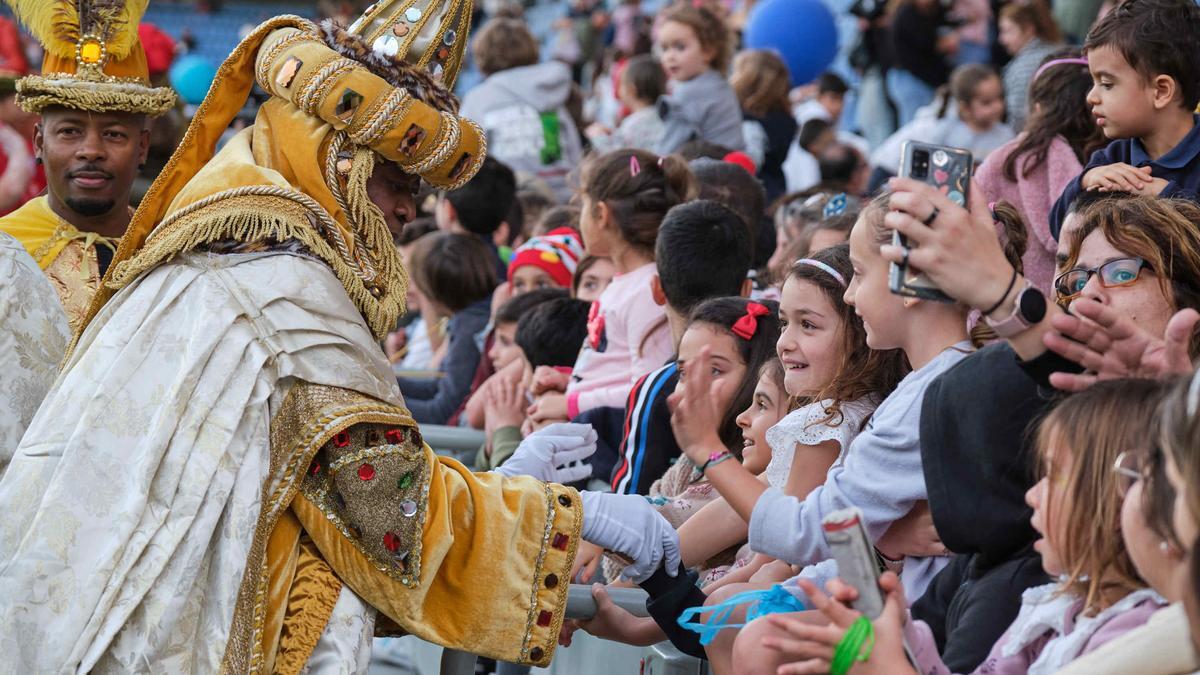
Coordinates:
(827,363)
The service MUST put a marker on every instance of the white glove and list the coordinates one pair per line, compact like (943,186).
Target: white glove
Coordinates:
(553,454)
(630,526)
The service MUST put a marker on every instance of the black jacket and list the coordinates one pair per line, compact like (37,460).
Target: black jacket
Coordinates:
(977,429)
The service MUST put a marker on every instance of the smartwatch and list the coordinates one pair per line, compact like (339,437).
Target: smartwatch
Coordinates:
(1029,309)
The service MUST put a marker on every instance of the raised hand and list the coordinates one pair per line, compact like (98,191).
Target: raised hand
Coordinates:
(694,414)
(1109,345)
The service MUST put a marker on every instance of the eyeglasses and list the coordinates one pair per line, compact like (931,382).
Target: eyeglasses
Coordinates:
(1128,467)
(1119,272)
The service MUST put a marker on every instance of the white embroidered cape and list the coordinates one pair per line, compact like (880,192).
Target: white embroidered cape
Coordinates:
(131,503)
(33,337)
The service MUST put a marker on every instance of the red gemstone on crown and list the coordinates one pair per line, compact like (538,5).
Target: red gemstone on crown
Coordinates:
(366,472)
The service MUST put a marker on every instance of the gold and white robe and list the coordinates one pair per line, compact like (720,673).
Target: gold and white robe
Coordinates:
(193,496)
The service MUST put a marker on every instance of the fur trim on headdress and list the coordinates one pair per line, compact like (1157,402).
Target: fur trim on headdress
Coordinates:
(419,82)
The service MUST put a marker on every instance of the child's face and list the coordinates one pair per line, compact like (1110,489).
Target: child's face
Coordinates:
(504,347)
(1182,520)
(683,57)
(881,310)
(1014,36)
(810,338)
(1154,564)
(627,95)
(768,407)
(529,278)
(1121,100)
(590,227)
(986,108)
(822,239)
(728,369)
(595,280)
(833,104)
(1048,500)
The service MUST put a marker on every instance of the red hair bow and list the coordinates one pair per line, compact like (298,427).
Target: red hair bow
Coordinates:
(747,326)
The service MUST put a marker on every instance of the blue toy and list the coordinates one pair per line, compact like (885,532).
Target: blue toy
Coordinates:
(191,76)
(802,32)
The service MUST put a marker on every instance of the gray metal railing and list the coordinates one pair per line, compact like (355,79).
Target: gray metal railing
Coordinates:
(662,659)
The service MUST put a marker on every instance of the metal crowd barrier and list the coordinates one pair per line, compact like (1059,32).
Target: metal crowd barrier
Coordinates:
(660,659)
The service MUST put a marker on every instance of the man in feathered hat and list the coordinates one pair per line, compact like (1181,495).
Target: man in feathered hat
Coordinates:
(225,477)
(94,98)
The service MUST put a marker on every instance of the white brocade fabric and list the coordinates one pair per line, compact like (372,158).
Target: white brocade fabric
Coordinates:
(131,504)
(804,426)
(33,337)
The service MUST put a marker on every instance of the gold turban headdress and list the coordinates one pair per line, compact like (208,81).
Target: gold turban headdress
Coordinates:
(342,100)
(93,59)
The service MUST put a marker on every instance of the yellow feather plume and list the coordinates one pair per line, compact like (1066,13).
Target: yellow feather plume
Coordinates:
(57,23)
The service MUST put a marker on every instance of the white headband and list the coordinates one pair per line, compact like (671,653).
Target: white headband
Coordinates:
(825,268)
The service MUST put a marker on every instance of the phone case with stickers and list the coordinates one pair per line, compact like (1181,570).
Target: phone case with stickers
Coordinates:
(949,171)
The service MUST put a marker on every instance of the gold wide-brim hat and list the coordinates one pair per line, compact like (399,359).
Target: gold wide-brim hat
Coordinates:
(93,59)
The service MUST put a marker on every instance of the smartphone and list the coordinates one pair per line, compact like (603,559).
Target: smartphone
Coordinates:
(947,169)
(855,556)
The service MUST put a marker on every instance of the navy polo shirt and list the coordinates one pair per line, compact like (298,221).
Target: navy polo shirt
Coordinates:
(1180,167)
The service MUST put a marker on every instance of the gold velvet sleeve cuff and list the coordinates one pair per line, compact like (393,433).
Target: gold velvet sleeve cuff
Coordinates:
(476,562)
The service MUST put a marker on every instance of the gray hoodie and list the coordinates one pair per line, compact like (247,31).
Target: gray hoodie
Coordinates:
(702,108)
(523,111)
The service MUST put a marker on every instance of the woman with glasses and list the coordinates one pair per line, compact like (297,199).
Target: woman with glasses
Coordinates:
(988,402)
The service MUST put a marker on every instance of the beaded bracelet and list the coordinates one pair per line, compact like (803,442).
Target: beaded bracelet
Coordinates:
(851,649)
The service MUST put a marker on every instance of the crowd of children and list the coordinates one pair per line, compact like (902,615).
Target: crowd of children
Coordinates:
(1023,458)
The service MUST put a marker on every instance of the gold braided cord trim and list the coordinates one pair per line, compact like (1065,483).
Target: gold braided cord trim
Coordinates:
(390,108)
(476,162)
(256,214)
(449,135)
(263,74)
(317,87)
(36,93)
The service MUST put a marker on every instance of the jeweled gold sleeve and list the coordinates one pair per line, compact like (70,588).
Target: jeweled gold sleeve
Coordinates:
(476,562)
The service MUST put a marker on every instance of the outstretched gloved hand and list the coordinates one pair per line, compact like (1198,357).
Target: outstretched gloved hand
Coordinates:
(629,526)
(554,454)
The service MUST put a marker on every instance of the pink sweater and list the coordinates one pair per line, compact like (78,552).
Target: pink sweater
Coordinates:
(1047,634)
(628,336)
(1033,195)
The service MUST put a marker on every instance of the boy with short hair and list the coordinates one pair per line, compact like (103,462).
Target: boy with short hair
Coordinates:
(481,207)
(703,251)
(1145,61)
(827,104)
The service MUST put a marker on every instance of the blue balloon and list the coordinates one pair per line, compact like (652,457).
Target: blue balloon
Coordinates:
(801,31)
(191,77)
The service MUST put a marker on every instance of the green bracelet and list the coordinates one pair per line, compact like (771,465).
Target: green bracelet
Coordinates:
(851,649)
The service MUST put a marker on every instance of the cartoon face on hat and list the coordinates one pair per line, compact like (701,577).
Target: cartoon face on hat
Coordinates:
(556,253)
